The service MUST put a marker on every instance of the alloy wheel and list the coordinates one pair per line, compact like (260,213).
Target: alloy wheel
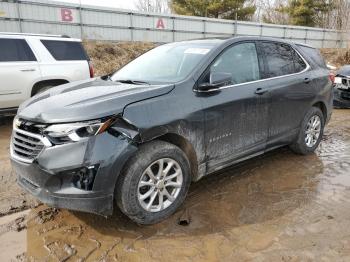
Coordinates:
(313,131)
(160,185)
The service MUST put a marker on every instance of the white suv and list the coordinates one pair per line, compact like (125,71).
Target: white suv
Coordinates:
(30,64)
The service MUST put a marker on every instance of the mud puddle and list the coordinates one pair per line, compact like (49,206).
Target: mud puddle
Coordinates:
(276,207)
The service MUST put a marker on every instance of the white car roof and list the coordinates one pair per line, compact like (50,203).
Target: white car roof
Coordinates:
(38,36)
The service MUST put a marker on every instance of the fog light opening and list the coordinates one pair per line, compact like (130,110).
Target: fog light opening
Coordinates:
(84,178)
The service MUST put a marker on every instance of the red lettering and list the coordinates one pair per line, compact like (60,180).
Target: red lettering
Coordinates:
(66,15)
(160,24)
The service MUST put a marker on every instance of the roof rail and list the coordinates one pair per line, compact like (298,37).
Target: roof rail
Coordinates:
(29,34)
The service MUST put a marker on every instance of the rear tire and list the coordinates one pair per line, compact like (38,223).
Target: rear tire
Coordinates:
(141,177)
(310,133)
(43,89)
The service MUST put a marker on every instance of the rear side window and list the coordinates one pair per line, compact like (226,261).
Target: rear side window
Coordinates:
(314,54)
(279,58)
(65,50)
(241,61)
(15,50)
(299,63)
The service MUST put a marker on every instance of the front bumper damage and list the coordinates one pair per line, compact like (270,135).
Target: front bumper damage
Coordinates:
(78,176)
(341,98)
(342,88)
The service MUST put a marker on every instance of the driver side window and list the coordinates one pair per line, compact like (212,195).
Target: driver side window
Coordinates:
(241,61)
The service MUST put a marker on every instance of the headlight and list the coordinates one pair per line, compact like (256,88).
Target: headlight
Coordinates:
(62,133)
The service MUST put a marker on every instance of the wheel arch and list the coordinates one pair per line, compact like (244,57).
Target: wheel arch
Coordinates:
(54,82)
(322,106)
(186,147)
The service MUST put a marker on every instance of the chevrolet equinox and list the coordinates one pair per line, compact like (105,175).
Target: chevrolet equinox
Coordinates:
(171,116)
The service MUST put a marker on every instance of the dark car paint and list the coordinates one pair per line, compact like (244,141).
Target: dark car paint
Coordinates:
(86,100)
(218,128)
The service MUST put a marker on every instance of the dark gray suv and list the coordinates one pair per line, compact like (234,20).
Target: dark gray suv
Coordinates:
(173,115)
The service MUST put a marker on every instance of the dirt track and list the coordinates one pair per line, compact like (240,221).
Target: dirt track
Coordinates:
(277,207)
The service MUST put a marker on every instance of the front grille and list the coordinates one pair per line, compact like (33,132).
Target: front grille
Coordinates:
(25,145)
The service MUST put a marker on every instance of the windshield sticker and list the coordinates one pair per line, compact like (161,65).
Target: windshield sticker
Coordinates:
(198,51)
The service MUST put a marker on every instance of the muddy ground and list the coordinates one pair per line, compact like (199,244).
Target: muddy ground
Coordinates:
(278,207)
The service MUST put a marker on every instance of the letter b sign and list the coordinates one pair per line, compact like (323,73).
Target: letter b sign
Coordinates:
(66,15)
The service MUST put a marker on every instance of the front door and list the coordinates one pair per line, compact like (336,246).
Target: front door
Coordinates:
(235,114)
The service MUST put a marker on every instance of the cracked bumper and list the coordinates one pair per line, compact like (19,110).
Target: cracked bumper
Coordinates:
(49,177)
(341,98)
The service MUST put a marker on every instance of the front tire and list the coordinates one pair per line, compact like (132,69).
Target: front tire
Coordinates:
(154,183)
(310,133)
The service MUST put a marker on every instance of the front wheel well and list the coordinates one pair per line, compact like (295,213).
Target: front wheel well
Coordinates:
(52,82)
(186,147)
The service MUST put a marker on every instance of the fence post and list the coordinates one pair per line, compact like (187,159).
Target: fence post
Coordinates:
(284,32)
(131,27)
(306,30)
(204,28)
(261,29)
(236,23)
(19,16)
(81,22)
(173,28)
(323,37)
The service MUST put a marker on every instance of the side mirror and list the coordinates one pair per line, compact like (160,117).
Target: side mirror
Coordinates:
(216,80)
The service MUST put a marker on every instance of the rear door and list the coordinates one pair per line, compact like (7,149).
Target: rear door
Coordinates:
(67,60)
(19,70)
(291,90)
(235,116)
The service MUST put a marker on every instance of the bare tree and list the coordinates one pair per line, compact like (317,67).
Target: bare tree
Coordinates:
(268,11)
(155,6)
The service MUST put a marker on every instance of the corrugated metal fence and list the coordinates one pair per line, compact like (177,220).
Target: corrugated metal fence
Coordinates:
(91,22)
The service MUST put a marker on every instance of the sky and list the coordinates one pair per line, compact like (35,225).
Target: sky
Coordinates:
(124,4)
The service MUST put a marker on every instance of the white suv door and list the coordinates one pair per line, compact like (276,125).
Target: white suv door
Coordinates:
(19,70)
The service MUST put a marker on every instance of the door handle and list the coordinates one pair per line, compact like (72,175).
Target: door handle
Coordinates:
(28,70)
(307,80)
(261,91)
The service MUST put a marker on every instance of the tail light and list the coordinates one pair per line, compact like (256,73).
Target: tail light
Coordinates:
(91,69)
(332,77)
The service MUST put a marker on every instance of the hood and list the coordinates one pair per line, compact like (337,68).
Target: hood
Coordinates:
(86,100)
(344,71)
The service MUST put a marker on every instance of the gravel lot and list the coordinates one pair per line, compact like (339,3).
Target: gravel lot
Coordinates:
(276,207)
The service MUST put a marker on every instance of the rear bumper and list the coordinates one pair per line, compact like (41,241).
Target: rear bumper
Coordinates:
(51,178)
(341,98)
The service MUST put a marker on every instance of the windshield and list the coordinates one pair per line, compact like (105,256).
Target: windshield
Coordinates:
(165,64)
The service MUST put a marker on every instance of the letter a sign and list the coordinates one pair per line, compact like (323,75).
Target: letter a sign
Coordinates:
(160,24)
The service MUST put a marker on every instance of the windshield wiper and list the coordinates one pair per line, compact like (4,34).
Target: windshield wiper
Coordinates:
(133,82)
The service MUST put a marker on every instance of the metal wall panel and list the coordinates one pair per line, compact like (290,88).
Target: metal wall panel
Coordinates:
(45,28)
(224,28)
(100,33)
(152,36)
(103,18)
(91,22)
(295,33)
(188,25)
(246,29)
(273,31)
(46,13)
(8,10)
(9,26)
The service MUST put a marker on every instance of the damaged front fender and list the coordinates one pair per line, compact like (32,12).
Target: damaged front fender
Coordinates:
(123,127)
